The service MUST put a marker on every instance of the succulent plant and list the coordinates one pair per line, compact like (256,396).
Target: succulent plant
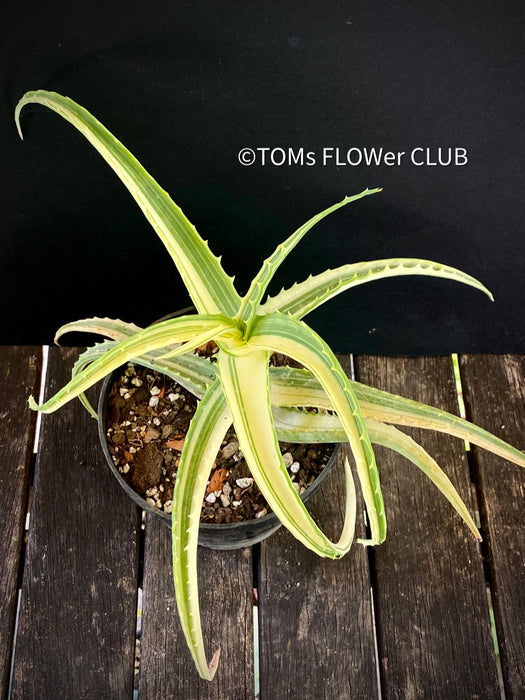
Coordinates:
(264,403)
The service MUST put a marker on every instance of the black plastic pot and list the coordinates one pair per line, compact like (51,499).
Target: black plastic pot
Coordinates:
(220,536)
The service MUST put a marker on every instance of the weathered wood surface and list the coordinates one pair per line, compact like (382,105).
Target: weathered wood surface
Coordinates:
(318,625)
(315,615)
(495,399)
(20,376)
(226,600)
(76,635)
(431,602)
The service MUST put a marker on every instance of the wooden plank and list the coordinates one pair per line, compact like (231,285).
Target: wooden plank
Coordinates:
(494,390)
(316,626)
(431,602)
(226,597)
(77,621)
(21,367)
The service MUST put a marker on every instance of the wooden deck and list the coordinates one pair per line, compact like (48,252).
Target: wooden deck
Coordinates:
(409,619)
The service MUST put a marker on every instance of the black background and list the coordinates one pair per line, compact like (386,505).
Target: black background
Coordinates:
(186,85)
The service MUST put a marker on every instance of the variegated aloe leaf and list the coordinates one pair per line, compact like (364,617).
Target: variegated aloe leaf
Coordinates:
(294,387)
(203,440)
(293,425)
(245,384)
(286,334)
(210,288)
(191,331)
(291,387)
(192,372)
(84,360)
(394,439)
(109,327)
(306,296)
(389,408)
(260,282)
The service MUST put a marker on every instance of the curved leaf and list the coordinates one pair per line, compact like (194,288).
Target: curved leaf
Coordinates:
(390,408)
(394,439)
(210,288)
(192,331)
(293,425)
(109,327)
(252,299)
(191,371)
(294,387)
(306,296)
(293,338)
(203,440)
(85,359)
(245,383)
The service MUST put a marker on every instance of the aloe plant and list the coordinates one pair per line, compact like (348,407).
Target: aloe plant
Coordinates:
(262,402)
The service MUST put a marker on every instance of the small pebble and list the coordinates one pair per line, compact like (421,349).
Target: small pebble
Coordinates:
(173,397)
(136,381)
(245,482)
(168,506)
(294,468)
(156,421)
(261,513)
(225,501)
(125,468)
(236,504)
(211,498)
(151,434)
(230,449)
(166,431)
(227,489)
(154,391)
(119,438)
(287,459)
(154,401)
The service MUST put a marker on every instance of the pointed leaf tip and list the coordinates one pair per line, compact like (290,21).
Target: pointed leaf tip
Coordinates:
(212,667)
(32,403)
(18,109)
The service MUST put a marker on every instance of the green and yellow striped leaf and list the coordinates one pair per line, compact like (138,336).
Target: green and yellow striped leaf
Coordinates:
(260,282)
(245,384)
(192,331)
(203,440)
(293,338)
(210,288)
(306,296)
